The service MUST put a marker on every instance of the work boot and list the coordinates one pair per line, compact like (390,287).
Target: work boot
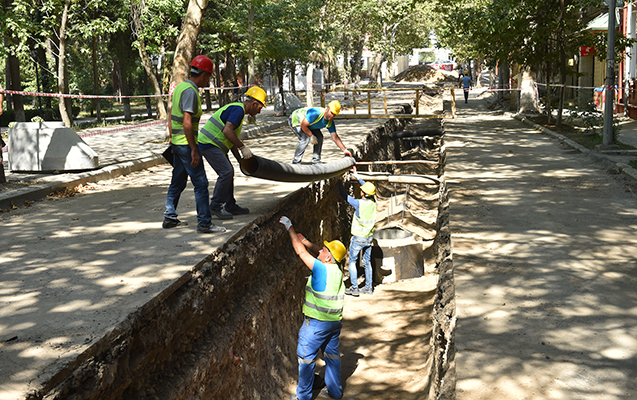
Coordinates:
(237,210)
(366,290)
(211,228)
(352,291)
(324,393)
(221,213)
(172,223)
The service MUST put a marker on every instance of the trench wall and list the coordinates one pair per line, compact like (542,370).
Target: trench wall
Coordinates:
(227,329)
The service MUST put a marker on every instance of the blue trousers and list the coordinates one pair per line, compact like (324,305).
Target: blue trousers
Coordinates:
(304,140)
(356,246)
(223,193)
(315,335)
(181,171)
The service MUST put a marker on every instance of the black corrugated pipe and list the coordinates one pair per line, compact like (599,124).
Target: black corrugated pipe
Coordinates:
(423,132)
(263,168)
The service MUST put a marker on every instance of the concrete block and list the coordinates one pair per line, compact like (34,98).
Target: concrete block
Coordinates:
(48,146)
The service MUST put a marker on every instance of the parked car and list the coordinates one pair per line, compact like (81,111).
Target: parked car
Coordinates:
(447,65)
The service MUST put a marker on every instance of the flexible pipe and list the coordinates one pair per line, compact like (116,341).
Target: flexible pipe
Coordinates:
(263,168)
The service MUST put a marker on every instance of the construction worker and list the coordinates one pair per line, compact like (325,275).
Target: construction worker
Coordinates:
(307,123)
(362,235)
(184,125)
(323,312)
(220,134)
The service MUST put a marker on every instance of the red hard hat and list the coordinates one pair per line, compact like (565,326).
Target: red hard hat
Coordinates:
(202,62)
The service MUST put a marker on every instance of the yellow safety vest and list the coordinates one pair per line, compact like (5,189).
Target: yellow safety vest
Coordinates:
(212,131)
(299,115)
(364,226)
(177,116)
(327,305)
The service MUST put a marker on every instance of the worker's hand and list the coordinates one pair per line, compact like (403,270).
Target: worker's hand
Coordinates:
(245,152)
(286,222)
(313,139)
(347,153)
(196,159)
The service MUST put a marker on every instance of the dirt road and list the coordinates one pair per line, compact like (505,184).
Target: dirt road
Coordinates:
(545,251)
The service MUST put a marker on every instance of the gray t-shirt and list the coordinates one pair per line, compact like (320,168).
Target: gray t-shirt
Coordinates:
(188,102)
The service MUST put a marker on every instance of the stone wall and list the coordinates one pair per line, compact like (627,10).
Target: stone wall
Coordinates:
(228,328)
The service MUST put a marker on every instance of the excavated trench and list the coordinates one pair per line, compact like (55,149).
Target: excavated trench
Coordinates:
(228,328)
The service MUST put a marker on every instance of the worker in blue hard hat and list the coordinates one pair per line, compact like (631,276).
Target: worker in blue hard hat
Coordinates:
(307,123)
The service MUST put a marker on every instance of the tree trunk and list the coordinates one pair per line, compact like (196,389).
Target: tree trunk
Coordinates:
(187,41)
(279,75)
(549,112)
(356,61)
(96,82)
(63,82)
(229,77)
(309,78)
(16,84)
(7,76)
(374,73)
(148,67)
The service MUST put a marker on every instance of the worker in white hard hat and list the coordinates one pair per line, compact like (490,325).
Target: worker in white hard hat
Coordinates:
(183,126)
(307,124)
(362,231)
(220,135)
(323,313)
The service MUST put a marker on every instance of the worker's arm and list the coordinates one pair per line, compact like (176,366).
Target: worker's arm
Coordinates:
(308,245)
(228,132)
(340,144)
(192,142)
(305,127)
(299,247)
(169,122)
(1,101)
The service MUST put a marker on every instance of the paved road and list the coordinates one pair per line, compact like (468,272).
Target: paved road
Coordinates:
(545,251)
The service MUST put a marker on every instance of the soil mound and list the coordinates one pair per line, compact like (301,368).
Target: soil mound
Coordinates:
(425,73)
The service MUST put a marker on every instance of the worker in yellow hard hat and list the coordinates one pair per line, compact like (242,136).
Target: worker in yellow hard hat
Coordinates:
(220,135)
(307,124)
(323,310)
(362,231)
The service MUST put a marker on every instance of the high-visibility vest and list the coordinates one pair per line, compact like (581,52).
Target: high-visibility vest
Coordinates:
(299,115)
(327,305)
(177,116)
(212,131)
(363,226)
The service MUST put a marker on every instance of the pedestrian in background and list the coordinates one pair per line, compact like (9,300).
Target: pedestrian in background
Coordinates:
(323,310)
(184,125)
(466,85)
(220,135)
(362,235)
(307,124)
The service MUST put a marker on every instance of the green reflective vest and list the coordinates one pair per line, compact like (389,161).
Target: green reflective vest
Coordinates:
(299,115)
(364,226)
(177,116)
(212,131)
(327,305)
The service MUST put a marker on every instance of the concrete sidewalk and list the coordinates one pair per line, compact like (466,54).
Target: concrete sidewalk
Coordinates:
(544,254)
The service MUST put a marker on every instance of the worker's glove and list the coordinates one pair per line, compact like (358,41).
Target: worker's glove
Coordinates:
(313,139)
(286,222)
(347,153)
(245,152)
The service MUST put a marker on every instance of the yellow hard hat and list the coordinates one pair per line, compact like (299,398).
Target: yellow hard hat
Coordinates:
(335,107)
(369,188)
(258,94)
(337,249)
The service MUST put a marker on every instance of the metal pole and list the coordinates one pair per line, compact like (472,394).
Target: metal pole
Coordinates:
(610,77)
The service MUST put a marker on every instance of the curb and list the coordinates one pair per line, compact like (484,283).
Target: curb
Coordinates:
(60,182)
(624,169)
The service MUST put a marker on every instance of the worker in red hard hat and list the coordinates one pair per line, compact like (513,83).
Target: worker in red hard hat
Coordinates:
(221,135)
(183,127)
(307,124)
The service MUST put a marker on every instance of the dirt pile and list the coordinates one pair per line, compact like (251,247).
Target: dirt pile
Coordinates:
(426,74)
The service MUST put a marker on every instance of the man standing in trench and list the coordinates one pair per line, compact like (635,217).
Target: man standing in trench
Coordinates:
(184,125)
(307,123)
(323,310)
(220,135)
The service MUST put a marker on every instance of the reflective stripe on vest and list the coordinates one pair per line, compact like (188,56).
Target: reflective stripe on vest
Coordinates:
(299,115)
(364,226)
(212,131)
(327,305)
(177,116)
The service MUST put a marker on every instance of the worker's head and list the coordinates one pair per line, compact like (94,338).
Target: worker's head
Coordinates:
(201,70)
(368,189)
(332,110)
(256,98)
(335,249)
